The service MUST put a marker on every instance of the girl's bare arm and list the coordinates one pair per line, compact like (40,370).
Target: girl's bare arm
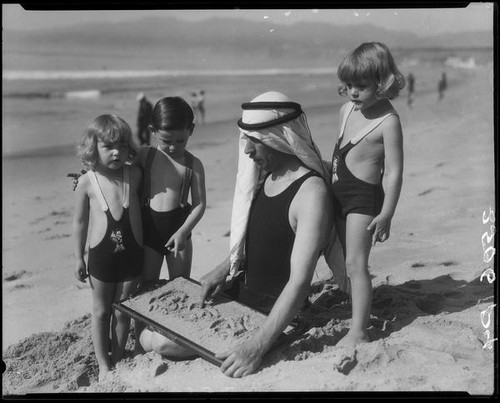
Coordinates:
(80,225)
(393,150)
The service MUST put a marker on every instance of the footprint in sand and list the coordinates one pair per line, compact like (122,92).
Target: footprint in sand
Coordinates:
(427,191)
(56,236)
(21,287)
(448,263)
(346,362)
(16,275)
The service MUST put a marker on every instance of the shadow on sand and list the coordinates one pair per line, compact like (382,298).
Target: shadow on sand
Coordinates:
(394,307)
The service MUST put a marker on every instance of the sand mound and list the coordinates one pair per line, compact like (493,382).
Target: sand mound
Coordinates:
(410,350)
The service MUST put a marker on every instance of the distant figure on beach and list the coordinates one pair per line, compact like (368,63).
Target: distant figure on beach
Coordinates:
(171,174)
(276,236)
(144,119)
(107,212)
(442,85)
(198,105)
(411,89)
(369,148)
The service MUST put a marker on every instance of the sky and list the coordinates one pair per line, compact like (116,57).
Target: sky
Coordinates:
(423,22)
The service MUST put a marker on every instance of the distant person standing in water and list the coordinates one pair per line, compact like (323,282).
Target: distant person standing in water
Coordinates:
(442,85)
(144,119)
(198,105)
(411,89)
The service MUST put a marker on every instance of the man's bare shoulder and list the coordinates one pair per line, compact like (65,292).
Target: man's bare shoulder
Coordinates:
(313,192)
(314,185)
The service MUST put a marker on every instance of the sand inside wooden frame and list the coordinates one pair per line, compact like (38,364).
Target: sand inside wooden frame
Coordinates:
(220,324)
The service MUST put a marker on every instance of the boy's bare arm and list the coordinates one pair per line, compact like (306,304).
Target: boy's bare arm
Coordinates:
(198,197)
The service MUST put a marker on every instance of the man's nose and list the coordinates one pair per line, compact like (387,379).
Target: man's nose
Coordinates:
(248,147)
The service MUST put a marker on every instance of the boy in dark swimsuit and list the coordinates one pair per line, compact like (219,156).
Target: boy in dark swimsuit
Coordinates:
(170,174)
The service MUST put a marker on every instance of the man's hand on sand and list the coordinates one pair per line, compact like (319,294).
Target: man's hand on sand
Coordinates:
(241,360)
(212,283)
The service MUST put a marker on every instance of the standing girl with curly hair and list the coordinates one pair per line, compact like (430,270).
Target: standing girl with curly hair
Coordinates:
(367,168)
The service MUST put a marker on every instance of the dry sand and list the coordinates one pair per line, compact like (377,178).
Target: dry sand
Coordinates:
(431,310)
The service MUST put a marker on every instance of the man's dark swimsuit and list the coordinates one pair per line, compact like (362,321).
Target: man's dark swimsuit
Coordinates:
(118,257)
(269,244)
(351,194)
(159,226)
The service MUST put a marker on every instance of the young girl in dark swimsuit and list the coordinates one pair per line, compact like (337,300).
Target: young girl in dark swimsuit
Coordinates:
(108,213)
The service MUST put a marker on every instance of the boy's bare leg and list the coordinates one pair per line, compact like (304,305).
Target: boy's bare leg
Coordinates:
(151,270)
(358,246)
(153,341)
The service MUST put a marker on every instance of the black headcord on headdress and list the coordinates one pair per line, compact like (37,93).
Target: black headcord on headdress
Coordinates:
(270,105)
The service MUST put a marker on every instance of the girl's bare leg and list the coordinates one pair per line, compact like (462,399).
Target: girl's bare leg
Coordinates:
(121,321)
(358,245)
(102,298)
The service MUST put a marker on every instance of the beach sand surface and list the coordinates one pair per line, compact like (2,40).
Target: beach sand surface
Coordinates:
(432,311)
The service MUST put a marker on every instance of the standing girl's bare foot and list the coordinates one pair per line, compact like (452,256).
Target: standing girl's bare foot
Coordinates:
(103,373)
(353,338)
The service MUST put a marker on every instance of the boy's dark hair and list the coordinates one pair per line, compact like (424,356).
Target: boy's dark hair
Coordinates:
(172,113)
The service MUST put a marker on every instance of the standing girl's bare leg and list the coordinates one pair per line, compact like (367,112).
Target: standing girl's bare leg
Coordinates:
(120,321)
(102,299)
(358,245)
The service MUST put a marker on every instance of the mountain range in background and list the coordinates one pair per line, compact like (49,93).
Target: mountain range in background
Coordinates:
(162,43)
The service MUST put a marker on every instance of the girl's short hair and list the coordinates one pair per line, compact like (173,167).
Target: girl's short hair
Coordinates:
(371,61)
(172,113)
(108,129)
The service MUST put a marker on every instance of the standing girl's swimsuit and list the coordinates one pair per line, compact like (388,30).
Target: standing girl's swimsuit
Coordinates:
(351,194)
(118,256)
(159,226)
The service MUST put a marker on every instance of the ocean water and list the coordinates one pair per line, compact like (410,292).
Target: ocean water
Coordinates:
(39,116)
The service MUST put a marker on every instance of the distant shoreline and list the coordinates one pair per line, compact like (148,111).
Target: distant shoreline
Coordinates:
(99,74)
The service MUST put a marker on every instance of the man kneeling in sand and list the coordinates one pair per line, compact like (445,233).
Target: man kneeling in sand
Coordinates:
(281,221)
